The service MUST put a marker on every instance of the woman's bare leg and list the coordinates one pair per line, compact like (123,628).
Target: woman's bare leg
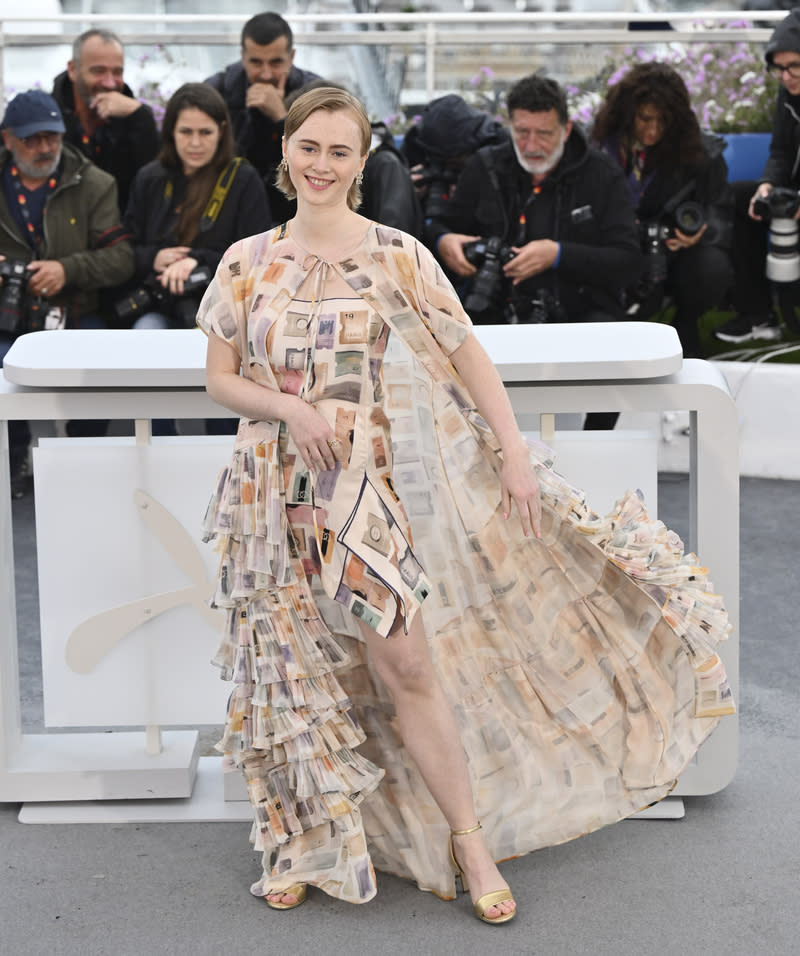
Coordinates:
(430,734)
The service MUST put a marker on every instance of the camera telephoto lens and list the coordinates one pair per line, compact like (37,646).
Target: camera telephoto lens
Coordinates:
(783,260)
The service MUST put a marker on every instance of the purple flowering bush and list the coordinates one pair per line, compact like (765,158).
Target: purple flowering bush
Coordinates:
(730,89)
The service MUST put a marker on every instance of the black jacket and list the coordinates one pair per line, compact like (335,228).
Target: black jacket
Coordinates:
(388,194)
(119,146)
(584,205)
(783,164)
(705,183)
(151,217)
(257,137)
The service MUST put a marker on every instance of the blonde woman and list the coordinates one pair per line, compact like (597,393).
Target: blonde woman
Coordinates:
(390,580)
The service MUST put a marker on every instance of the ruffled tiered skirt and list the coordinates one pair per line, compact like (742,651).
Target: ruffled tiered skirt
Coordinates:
(583,669)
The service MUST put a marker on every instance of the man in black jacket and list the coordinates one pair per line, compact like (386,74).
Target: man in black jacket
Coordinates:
(560,209)
(756,318)
(103,118)
(255,91)
(563,241)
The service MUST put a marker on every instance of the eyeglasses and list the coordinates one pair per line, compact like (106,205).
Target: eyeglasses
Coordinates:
(46,139)
(778,69)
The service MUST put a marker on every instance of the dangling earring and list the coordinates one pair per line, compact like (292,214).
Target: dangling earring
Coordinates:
(283,165)
(359,179)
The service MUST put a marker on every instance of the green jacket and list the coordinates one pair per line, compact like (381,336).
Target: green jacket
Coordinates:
(81,230)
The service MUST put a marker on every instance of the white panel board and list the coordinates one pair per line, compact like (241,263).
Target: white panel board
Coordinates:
(123,577)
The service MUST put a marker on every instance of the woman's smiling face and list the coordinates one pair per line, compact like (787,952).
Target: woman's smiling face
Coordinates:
(324,157)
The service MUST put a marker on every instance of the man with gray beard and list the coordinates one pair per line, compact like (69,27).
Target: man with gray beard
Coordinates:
(555,220)
(58,216)
(569,245)
(61,240)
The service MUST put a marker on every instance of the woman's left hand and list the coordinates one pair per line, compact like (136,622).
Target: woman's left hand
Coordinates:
(520,485)
(681,241)
(177,273)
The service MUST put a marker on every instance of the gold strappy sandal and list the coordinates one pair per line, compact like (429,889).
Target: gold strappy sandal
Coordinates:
(488,899)
(297,890)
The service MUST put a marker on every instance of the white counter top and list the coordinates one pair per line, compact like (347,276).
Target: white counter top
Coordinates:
(175,358)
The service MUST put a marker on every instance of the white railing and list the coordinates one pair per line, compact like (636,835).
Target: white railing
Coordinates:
(431,33)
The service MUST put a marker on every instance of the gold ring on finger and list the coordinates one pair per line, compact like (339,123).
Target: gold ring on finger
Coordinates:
(333,442)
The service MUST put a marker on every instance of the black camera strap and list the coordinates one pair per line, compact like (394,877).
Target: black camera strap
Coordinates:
(220,193)
(683,193)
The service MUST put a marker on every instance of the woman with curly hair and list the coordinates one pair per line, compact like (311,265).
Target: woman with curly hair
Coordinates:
(678,180)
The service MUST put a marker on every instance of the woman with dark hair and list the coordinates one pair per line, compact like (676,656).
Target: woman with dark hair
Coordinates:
(392,576)
(186,208)
(678,180)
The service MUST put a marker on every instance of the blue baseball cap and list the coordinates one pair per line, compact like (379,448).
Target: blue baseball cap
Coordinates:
(33,112)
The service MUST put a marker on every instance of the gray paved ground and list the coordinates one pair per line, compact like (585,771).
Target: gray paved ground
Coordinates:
(724,880)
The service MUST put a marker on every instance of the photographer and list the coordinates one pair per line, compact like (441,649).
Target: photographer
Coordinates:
(678,182)
(186,208)
(558,211)
(60,236)
(438,145)
(756,317)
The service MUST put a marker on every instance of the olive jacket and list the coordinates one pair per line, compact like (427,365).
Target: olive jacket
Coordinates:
(82,231)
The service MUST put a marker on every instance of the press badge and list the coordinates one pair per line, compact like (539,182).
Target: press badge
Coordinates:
(581,214)
(55,318)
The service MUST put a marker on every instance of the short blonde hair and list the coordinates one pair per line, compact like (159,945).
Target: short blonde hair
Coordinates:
(334,101)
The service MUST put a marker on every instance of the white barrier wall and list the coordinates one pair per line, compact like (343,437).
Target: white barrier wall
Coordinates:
(126,633)
(766,396)
(140,603)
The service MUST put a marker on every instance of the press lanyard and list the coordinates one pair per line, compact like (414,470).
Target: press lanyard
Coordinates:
(34,236)
(523,221)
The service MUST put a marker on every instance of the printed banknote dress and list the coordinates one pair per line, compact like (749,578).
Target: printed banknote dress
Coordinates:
(583,667)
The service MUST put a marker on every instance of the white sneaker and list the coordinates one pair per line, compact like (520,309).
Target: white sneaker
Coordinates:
(746,328)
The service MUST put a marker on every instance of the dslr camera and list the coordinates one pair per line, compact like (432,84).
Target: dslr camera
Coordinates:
(778,208)
(151,296)
(687,217)
(544,306)
(489,255)
(19,311)
(440,177)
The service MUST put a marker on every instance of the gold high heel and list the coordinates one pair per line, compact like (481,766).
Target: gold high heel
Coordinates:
(296,889)
(488,899)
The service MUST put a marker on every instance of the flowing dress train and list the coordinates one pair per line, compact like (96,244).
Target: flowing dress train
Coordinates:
(583,667)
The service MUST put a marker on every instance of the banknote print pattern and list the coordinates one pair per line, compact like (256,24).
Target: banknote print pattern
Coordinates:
(583,667)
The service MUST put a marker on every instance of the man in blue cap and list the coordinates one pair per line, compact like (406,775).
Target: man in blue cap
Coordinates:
(61,240)
(58,216)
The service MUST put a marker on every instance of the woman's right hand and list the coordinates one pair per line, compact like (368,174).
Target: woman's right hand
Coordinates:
(166,257)
(311,435)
